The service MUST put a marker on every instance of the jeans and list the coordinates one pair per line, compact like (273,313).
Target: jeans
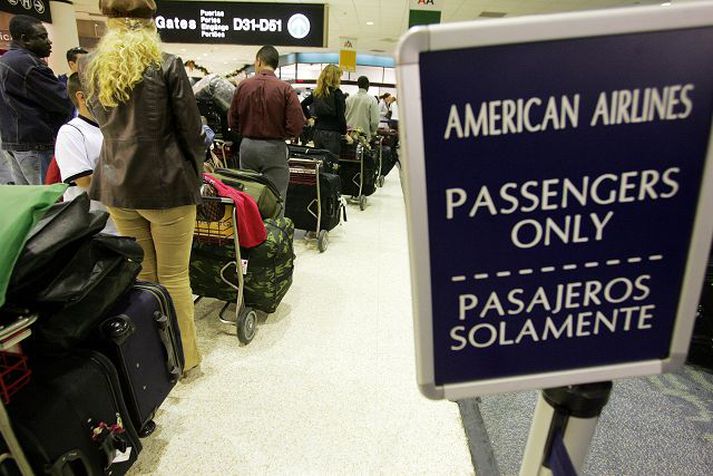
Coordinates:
(6,175)
(330,140)
(166,237)
(29,167)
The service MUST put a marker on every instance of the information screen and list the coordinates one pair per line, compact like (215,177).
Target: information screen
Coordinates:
(242,23)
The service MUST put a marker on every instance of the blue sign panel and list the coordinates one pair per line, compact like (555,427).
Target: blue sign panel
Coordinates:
(562,182)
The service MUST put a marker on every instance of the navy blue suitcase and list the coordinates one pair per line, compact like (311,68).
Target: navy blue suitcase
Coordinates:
(143,340)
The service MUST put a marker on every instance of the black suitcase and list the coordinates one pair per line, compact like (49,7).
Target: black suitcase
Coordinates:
(143,341)
(388,160)
(71,419)
(302,198)
(330,162)
(350,172)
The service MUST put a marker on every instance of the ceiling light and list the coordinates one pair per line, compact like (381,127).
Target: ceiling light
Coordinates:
(666,4)
(370,23)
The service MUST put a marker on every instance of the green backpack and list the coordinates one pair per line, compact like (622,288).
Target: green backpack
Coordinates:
(258,186)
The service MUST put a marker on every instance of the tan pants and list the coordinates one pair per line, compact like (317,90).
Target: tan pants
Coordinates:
(166,236)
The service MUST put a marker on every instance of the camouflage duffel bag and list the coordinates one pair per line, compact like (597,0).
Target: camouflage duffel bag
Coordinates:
(270,266)
(207,261)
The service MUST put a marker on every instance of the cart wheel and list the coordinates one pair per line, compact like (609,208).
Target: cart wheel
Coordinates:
(247,325)
(323,241)
(381,181)
(362,202)
(147,429)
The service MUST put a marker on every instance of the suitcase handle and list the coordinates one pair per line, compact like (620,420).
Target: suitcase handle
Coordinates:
(69,465)
(162,323)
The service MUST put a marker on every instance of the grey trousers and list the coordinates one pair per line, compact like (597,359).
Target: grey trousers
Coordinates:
(268,157)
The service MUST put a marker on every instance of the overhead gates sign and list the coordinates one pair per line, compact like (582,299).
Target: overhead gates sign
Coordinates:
(559,196)
(39,9)
(242,23)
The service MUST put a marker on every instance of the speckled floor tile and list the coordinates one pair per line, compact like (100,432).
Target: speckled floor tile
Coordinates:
(328,385)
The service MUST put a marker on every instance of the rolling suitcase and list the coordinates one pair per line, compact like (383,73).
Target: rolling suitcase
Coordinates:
(350,170)
(143,341)
(388,160)
(72,419)
(301,203)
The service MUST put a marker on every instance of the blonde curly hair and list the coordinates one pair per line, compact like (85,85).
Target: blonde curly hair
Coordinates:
(329,78)
(129,47)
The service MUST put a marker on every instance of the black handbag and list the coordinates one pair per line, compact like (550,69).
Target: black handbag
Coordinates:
(53,238)
(102,270)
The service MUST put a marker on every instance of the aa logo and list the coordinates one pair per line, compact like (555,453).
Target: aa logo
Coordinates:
(426,2)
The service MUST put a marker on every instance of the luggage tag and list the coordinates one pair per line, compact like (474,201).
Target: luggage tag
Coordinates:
(122,456)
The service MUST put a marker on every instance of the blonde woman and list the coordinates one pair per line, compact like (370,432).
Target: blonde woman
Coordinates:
(328,110)
(148,170)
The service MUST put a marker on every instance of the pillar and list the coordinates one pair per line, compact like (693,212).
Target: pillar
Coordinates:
(63,33)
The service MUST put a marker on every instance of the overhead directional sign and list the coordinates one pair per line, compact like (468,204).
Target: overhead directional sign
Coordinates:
(560,195)
(242,23)
(37,8)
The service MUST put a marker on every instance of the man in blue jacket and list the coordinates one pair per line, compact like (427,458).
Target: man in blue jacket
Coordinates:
(33,102)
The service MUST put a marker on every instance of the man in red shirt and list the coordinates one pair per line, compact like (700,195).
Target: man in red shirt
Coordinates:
(266,112)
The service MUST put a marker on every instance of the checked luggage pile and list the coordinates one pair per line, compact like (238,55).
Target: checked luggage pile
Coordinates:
(101,350)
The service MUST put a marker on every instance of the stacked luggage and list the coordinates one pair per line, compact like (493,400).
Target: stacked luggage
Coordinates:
(314,199)
(359,168)
(389,150)
(214,94)
(255,278)
(105,349)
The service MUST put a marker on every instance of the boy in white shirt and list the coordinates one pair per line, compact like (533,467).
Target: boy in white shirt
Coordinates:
(77,149)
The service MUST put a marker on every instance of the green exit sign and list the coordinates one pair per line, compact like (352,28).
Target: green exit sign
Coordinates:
(423,17)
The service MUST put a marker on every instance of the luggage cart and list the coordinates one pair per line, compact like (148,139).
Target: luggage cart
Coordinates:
(14,373)
(216,226)
(377,142)
(306,172)
(357,181)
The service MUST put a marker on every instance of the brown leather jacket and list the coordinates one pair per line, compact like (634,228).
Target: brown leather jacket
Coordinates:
(153,147)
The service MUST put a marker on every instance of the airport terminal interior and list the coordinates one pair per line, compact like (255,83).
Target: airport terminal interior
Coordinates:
(328,383)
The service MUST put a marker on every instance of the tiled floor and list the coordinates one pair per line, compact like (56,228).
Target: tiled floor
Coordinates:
(328,384)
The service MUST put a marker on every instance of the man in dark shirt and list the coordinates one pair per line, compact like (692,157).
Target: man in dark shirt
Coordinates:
(266,112)
(33,102)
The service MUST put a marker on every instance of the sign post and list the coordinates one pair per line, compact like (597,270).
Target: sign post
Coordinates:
(559,195)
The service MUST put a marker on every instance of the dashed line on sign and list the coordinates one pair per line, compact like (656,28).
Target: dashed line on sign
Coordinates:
(565,267)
